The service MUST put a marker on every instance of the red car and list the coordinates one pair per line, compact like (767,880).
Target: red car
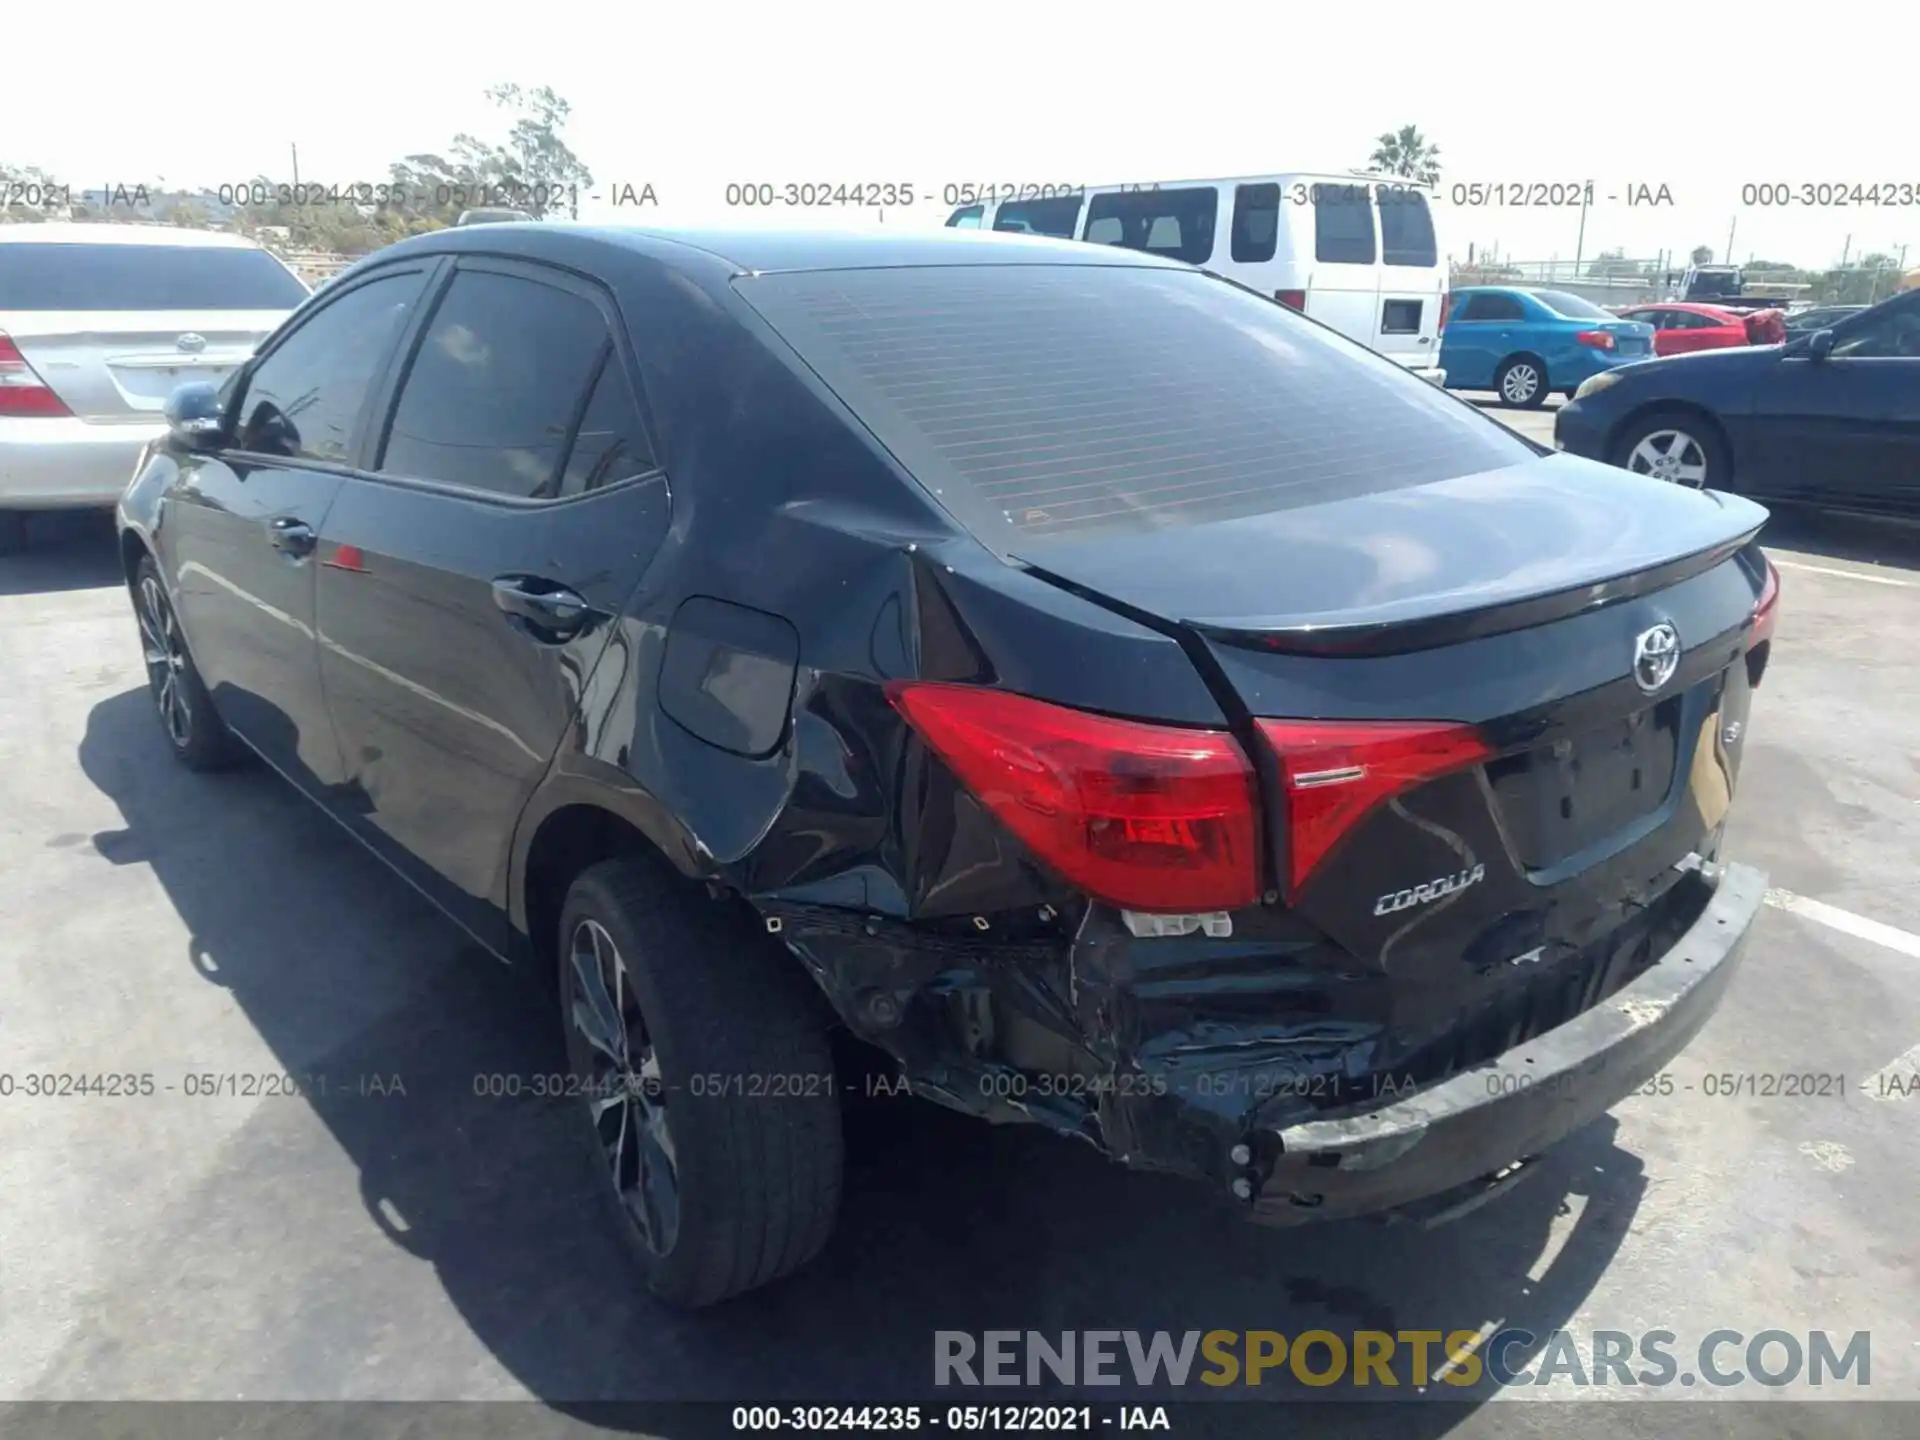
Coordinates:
(1680,327)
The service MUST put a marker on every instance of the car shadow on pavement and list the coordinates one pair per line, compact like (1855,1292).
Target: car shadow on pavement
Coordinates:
(947,1224)
(65,550)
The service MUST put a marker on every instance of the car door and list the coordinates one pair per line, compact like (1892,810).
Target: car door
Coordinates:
(471,575)
(1478,336)
(240,523)
(1845,430)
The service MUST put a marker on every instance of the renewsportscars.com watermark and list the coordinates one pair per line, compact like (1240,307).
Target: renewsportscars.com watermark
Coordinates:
(1412,1359)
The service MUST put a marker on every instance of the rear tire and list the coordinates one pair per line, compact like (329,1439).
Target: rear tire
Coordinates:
(13,532)
(1522,383)
(712,1115)
(198,737)
(1677,446)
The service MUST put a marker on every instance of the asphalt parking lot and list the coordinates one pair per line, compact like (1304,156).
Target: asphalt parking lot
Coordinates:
(365,1243)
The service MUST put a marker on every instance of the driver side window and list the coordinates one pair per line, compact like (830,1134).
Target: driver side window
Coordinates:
(1894,334)
(304,400)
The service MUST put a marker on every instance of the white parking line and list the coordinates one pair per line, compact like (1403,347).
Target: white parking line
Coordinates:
(1846,922)
(1848,574)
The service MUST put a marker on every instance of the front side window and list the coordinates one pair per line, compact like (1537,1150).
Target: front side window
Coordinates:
(495,386)
(1175,223)
(966,218)
(303,401)
(1893,334)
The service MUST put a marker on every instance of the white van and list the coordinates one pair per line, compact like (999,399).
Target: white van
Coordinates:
(1355,252)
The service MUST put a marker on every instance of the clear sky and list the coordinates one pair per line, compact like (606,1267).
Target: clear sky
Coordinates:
(691,97)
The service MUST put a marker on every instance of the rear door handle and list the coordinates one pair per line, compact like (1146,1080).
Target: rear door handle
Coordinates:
(292,537)
(551,607)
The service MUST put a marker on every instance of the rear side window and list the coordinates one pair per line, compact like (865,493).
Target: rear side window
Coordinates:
(1057,215)
(1491,307)
(1256,223)
(1571,307)
(611,444)
(496,385)
(966,218)
(1406,229)
(1342,225)
(144,277)
(1059,402)
(1175,223)
(303,401)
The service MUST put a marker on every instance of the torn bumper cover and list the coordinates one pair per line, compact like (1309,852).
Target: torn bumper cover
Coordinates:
(1470,1128)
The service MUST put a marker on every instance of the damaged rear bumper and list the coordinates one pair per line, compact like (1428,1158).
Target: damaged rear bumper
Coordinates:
(1468,1132)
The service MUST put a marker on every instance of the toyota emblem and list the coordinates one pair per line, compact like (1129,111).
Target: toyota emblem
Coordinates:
(1656,655)
(190,343)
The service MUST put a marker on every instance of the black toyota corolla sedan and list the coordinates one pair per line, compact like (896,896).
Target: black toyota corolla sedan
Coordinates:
(1092,691)
(1830,420)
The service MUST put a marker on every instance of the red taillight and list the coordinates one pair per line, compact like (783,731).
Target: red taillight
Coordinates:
(1334,772)
(1146,817)
(1292,299)
(1766,610)
(1596,339)
(1446,309)
(21,391)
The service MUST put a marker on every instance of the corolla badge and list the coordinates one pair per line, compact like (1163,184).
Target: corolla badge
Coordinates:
(1429,891)
(1656,655)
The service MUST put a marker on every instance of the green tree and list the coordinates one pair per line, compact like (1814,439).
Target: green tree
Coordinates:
(1407,152)
(19,187)
(1702,255)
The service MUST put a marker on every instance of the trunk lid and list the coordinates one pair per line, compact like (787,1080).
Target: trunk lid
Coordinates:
(119,366)
(1589,633)
(1630,337)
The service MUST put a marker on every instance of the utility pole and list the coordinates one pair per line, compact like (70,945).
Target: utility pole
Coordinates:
(1731,224)
(1580,243)
(1846,250)
(296,163)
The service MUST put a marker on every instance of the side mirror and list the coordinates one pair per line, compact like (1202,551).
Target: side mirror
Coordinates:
(193,414)
(1819,345)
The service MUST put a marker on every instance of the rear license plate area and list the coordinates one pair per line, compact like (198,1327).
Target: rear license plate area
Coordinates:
(1575,791)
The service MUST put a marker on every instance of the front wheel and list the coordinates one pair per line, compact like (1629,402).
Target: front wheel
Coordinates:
(708,1095)
(1679,449)
(1522,382)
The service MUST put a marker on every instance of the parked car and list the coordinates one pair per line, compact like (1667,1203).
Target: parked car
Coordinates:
(1830,419)
(691,619)
(1525,343)
(1355,252)
(98,324)
(1680,329)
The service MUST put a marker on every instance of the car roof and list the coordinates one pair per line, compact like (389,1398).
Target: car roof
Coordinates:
(760,252)
(81,232)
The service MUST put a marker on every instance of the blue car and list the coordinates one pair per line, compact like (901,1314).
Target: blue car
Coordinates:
(1523,343)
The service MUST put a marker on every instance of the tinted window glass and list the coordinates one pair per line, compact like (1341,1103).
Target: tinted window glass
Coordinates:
(495,386)
(1057,215)
(1492,307)
(966,219)
(1342,224)
(144,277)
(1069,400)
(1256,222)
(305,398)
(1175,223)
(612,444)
(1406,228)
(1571,307)
(1893,334)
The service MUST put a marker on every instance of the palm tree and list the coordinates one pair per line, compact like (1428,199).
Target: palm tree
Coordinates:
(1406,152)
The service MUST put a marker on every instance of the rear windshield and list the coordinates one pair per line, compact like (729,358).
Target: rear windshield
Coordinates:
(1571,306)
(143,277)
(1061,401)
